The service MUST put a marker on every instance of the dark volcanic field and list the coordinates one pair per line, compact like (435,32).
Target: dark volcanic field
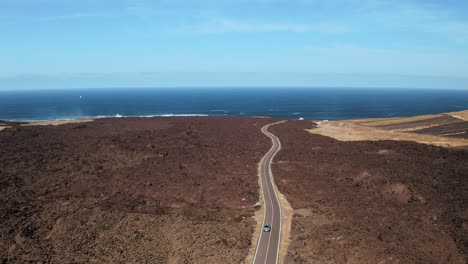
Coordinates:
(153,190)
(182,190)
(458,129)
(372,202)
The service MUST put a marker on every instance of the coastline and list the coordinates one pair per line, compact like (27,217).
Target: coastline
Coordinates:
(32,120)
(310,104)
(414,128)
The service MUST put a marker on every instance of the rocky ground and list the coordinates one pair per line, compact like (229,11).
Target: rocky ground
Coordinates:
(372,201)
(153,190)
(182,190)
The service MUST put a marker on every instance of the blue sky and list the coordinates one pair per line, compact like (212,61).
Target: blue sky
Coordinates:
(115,43)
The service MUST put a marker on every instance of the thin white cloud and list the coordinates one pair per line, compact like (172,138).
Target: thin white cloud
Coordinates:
(221,26)
(72,16)
(418,61)
(436,18)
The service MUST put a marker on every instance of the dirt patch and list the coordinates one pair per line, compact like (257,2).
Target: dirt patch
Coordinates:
(441,130)
(58,122)
(286,224)
(145,190)
(349,130)
(356,205)
(463,115)
(384,152)
(398,191)
(458,130)
(382,122)
(444,119)
(316,218)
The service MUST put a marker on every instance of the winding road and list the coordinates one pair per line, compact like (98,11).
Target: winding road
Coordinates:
(268,246)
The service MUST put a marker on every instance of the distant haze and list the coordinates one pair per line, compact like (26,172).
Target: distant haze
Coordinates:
(222,79)
(54,44)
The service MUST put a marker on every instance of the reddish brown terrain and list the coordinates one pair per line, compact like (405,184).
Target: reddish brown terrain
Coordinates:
(154,190)
(372,201)
(182,190)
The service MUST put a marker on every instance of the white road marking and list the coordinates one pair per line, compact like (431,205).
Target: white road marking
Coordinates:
(269,156)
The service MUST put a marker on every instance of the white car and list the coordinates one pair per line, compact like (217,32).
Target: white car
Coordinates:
(266,228)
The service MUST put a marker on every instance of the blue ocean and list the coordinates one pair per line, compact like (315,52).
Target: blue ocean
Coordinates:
(307,103)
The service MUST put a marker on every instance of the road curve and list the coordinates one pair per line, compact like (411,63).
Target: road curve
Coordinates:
(269,242)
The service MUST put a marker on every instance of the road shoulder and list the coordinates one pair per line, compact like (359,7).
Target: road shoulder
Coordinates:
(258,217)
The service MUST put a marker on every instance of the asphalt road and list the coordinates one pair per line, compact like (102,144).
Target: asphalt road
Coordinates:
(269,242)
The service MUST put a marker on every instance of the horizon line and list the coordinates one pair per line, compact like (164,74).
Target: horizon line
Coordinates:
(238,87)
